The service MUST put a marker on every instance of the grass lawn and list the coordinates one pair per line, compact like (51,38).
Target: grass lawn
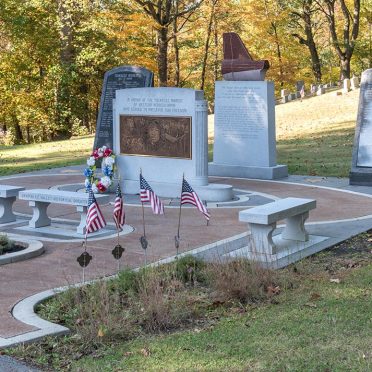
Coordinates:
(314,137)
(332,333)
(320,321)
(27,158)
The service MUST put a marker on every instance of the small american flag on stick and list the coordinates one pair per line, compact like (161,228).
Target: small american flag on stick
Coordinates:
(147,195)
(95,219)
(189,196)
(119,213)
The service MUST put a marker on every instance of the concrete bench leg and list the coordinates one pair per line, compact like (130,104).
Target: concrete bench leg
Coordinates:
(39,217)
(262,237)
(6,211)
(83,217)
(295,228)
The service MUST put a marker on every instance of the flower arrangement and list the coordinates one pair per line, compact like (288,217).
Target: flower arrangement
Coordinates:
(108,164)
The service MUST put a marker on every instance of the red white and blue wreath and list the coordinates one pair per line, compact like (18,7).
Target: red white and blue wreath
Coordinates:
(108,163)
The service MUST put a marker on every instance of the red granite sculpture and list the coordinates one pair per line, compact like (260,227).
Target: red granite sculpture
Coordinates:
(238,64)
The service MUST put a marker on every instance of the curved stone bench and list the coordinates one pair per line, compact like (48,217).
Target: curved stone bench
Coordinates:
(39,200)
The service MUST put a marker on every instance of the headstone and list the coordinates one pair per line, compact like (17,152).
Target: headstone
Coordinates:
(320,91)
(346,85)
(284,92)
(354,82)
(164,133)
(299,85)
(292,96)
(361,170)
(284,99)
(298,95)
(313,88)
(123,77)
(244,131)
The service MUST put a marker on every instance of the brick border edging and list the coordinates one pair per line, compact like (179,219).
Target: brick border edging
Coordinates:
(35,248)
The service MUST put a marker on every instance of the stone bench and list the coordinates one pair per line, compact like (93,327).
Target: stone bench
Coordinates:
(39,200)
(8,195)
(263,219)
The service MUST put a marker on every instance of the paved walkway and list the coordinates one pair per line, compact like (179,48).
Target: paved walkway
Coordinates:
(338,204)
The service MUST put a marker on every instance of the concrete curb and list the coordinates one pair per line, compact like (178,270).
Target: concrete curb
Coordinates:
(35,248)
(24,312)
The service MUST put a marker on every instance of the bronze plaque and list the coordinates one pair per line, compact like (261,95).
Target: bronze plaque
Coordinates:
(156,136)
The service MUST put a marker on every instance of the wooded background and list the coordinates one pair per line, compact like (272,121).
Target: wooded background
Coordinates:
(54,53)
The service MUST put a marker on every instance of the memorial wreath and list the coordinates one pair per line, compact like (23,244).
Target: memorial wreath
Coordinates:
(108,163)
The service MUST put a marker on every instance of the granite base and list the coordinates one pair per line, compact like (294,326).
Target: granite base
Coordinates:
(264,173)
(212,193)
(289,251)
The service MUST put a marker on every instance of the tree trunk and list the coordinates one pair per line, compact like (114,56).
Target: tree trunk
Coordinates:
(279,54)
(177,76)
(216,61)
(67,55)
(315,62)
(162,58)
(18,131)
(206,48)
(345,68)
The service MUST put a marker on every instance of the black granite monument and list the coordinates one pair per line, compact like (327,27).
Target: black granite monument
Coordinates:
(361,169)
(122,77)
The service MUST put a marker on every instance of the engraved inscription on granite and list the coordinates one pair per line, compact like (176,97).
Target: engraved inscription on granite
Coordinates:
(156,136)
(55,198)
(244,125)
(119,78)
(365,136)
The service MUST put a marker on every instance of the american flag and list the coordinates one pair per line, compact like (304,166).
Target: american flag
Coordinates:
(119,213)
(147,195)
(95,219)
(302,92)
(189,196)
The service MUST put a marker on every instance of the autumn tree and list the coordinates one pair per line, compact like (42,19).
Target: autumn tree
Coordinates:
(303,17)
(343,41)
(164,13)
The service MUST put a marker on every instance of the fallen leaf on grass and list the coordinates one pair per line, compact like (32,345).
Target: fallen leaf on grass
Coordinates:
(145,352)
(271,290)
(336,280)
(101,332)
(311,304)
(128,353)
(315,297)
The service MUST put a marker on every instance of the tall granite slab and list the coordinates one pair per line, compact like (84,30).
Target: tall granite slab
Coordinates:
(122,77)
(164,133)
(244,131)
(361,169)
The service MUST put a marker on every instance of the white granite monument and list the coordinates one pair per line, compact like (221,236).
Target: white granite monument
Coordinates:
(244,131)
(164,133)
(361,170)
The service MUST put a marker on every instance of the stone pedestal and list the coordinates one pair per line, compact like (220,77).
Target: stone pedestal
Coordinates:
(164,133)
(8,195)
(244,132)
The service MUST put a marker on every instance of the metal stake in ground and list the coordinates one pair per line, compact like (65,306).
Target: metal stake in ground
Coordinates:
(84,259)
(177,237)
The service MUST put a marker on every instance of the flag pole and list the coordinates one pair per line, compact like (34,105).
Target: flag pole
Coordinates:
(85,249)
(177,239)
(144,240)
